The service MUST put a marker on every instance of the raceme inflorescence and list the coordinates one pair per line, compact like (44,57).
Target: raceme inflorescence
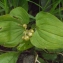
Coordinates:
(27,33)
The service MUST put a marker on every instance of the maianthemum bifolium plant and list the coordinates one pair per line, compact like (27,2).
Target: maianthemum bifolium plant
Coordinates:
(47,34)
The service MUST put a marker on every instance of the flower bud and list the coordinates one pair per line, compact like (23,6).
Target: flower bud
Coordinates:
(30,34)
(31,30)
(26,38)
(24,25)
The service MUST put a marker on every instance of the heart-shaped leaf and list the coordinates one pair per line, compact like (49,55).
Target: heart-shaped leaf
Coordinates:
(10,31)
(10,57)
(49,32)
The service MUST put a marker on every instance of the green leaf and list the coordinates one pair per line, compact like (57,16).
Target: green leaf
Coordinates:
(10,31)
(49,32)
(2,5)
(20,14)
(10,57)
(6,6)
(24,4)
(24,45)
(54,6)
(41,60)
(21,3)
(15,3)
(49,56)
